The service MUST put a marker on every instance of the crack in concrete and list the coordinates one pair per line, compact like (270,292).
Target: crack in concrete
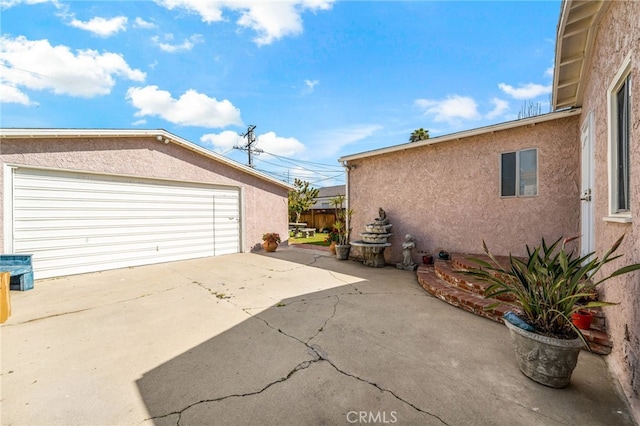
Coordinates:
(338,278)
(396,396)
(301,366)
(89,309)
(312,349)
(323,356)
(335,308)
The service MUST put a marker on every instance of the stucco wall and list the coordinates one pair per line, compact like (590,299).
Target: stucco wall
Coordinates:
(619,34)
(447,195)
(264,204)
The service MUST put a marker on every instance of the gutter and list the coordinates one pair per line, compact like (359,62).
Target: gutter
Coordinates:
(531,121)
(347,168)
(160,134)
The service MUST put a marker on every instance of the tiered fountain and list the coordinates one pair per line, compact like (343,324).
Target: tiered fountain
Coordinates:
(374,241)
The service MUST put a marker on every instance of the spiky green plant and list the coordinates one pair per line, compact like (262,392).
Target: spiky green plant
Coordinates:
(548,283)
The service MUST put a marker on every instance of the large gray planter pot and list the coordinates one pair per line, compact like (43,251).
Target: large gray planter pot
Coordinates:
(342,251)
(546,360)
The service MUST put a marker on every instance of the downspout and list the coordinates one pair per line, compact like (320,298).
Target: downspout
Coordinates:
(347,168)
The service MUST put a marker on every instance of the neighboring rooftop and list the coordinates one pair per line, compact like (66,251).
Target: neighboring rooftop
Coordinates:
(331,191)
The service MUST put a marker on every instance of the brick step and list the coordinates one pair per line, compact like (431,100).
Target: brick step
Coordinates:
(444,282)
(458,296)
(451,273)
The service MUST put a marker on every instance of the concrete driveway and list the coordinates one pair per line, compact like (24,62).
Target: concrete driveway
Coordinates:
(291,337)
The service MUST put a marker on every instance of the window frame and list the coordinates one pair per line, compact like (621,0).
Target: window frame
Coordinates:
(623,78)
(518,174)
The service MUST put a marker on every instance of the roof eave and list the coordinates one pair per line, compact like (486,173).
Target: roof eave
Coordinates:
(129,133)
(531,121)
(577,28)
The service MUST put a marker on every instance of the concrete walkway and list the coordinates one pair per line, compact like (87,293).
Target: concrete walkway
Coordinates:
(292,337)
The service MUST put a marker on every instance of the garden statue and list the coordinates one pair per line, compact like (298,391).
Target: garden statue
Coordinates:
(382,217)
(408,245)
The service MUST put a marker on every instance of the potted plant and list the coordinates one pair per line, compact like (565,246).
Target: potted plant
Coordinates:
(342,227)
(332,238)
(582,319)
(271,241)
(427,258)
(547,285)
(342,245)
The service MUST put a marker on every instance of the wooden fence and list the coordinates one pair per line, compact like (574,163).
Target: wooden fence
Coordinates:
(318,219)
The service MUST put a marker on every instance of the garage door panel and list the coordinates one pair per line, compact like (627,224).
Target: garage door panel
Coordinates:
(113,210)
(51,228)
(108,253)
(54,269)
(76,223)
(37,244)
(37,194)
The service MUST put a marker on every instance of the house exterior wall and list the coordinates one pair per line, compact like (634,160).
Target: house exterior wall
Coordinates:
(447,195)
(618,35)
(264,204)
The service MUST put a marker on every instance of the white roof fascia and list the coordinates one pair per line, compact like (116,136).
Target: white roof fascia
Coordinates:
(130,133)
(576,17)
(531,121)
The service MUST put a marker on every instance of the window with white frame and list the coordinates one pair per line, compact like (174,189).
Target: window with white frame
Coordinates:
(519,173)
(619,95)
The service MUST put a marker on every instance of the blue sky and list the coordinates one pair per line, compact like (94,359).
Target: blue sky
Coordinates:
(319,78)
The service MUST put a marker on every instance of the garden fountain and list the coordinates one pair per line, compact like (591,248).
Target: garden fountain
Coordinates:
(374,241)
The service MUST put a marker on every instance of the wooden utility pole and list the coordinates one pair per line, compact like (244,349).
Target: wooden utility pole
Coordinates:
(251,139)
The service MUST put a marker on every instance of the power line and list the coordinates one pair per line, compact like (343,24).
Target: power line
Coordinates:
(302,161)
(12,67)
(286,176)
(304,173)
(310,170)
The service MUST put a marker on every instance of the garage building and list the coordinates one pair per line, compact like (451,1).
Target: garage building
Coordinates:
(90,200)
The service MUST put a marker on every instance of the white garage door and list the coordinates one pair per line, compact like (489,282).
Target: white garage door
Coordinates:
(75,223)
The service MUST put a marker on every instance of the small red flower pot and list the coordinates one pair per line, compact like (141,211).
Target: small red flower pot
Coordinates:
(582,319)
(427,259)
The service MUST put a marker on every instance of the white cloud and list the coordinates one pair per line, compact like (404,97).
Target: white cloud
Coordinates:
(274,144)
(209,11)
(100,26)
(268,142)
(191,109)
(37,65)
(222,142)
(12,95)
(451,109)
(499,106)
(6,4)
(527,91)
(330,142)
(141,23)
(186,45)
(271,20)
(310,85)
(549,72)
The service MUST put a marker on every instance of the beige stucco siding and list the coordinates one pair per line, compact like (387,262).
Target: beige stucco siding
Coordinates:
(264,204)
(447,195)
(618,36)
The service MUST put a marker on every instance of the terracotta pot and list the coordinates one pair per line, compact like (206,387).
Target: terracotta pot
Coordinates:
(582,319)
(269,247)
(332,247)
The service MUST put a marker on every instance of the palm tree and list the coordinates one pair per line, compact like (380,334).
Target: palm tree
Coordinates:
(419,135)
